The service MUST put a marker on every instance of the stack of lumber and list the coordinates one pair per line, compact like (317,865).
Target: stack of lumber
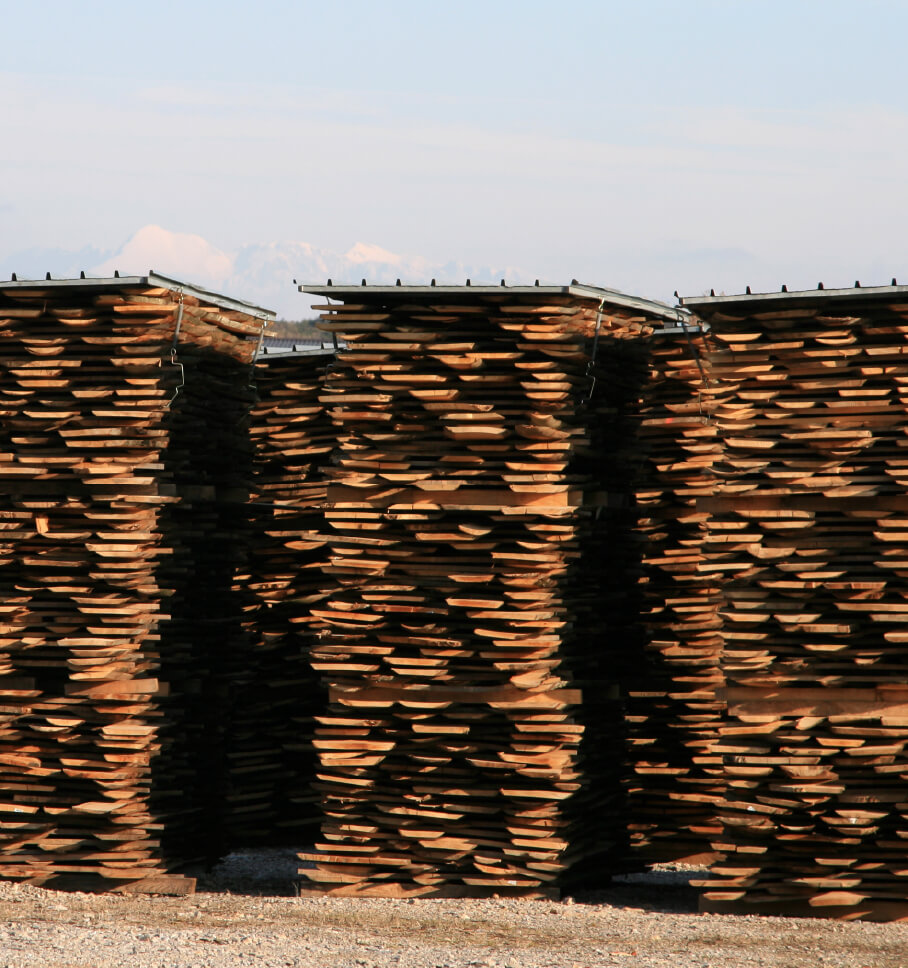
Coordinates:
(471,652)
(269,755)
(121,428)
(673,707)
(809,524)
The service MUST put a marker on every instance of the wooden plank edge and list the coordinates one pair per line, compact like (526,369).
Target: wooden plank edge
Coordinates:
(176,885)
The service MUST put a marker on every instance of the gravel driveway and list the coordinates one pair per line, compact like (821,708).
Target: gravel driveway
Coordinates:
(645,921)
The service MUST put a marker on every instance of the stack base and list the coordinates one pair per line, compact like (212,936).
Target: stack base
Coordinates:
(870,909)
(173,885)
(395,889)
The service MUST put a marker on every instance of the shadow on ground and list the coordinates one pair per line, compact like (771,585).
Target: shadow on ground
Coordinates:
(275,872)
(662,889)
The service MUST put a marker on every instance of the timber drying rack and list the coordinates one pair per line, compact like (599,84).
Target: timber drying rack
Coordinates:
(507,589)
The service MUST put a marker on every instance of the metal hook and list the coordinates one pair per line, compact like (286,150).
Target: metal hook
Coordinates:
(175,362)
(255,356)
(592,360)
(173,353)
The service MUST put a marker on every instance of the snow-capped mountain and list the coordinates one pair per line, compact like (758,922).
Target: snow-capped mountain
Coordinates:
(261,273)
(189,257)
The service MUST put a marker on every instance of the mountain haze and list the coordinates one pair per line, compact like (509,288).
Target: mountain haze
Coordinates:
(260,272)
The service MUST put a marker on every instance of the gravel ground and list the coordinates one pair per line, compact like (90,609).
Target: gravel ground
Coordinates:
(643,920)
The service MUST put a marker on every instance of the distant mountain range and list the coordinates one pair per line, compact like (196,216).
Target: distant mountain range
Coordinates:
(260,273)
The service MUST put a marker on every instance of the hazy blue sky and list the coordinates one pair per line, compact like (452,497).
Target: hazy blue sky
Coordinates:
(649,145)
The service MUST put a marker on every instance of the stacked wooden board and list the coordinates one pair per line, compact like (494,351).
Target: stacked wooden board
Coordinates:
(271,765)
(808,523)
(673,704)
(122,443)
(481,622)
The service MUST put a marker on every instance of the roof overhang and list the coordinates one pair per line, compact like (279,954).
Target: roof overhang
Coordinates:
(799,297)
(597,294)
(149,281)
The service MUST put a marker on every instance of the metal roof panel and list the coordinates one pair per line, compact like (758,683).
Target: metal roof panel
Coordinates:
(797,296)
(599,294)
(152,279)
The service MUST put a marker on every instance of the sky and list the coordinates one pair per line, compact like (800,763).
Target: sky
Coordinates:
(650,146)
